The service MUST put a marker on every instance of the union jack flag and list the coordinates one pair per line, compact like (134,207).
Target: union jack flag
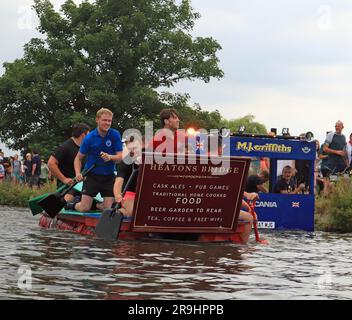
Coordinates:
(295,204)
(200,145)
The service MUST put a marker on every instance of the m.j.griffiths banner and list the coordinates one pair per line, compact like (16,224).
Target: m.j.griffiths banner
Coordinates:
(190,197)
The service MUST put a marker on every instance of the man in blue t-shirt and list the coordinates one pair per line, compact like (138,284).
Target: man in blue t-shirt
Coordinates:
(102,147)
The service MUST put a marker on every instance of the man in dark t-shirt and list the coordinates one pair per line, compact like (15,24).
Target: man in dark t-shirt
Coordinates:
(36,170)
(61,161)
(285,184)
(255,183)
(27,163)
(124,171)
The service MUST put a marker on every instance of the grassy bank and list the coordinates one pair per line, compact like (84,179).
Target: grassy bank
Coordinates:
(18,195)
(334,213)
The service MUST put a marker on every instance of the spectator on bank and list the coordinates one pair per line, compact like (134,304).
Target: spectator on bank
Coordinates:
(8,169)
(23,173)
(318,178)
(44,173)
(36,170)
(324,171)
(27,165)
(335,147)
(286,185)
(16,169)
(323,156)
(349,152)
(255,183)
(2,170)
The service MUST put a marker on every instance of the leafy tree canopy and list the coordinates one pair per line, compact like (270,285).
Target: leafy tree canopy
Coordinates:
(108,53)
(247,121)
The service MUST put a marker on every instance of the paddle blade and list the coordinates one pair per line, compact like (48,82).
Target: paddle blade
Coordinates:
(109,224)
(52,204)
(34,206)
(34,202)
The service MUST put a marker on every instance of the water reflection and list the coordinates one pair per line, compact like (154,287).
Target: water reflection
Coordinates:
(295,265)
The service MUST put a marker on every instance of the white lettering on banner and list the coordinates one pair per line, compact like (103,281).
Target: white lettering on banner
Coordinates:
(266,204)
(266,224)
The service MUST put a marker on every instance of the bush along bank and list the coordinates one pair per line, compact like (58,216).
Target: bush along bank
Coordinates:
(334,212)
(18,195)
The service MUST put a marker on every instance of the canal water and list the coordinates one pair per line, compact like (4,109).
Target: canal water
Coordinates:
(50,264)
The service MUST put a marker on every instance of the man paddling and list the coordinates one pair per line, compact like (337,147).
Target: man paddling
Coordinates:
(125,169)
(61,161)
(102,147)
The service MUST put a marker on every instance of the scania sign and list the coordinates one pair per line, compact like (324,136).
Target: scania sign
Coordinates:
(266,204)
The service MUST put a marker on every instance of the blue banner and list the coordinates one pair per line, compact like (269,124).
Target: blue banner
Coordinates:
(272,148)
(285,212)
(275,211)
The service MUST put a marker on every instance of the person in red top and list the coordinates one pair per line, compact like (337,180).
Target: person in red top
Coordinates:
(169,139)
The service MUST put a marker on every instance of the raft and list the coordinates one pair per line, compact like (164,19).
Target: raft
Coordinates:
(179,202)
(85,223)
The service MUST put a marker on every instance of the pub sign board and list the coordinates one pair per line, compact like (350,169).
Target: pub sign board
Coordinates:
(196,196)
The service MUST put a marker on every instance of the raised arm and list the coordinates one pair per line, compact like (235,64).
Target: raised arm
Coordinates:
(53,166)
(78,165)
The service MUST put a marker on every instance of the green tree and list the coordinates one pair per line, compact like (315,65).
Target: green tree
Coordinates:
(248,122)
(107,53)
(194,116)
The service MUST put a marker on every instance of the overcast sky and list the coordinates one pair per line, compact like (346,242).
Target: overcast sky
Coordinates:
(289,63)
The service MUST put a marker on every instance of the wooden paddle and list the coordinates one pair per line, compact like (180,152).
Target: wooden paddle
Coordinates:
(110,221)
(53,203)
(33,203)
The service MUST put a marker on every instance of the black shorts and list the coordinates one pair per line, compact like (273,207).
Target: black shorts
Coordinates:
(93,184)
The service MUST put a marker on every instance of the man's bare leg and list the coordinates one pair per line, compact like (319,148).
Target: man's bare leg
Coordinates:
(247,227)
(127,207)
(69,198)
(85,204)
(108,201)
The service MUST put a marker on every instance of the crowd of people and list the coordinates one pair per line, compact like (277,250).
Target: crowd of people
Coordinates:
(31,170)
